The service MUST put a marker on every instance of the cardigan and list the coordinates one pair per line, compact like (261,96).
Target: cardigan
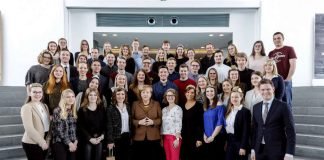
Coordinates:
(138,113)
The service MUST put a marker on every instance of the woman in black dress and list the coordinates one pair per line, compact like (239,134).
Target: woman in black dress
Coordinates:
(192,126)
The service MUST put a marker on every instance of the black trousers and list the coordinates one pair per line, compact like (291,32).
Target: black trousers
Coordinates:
(92,152)
(215,149)
(189,151)
(233,148)
(147,150)
(265,154)
(62,152)
(122,147)
(34,151)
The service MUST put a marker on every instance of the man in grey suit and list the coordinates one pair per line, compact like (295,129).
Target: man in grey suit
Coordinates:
(274,135)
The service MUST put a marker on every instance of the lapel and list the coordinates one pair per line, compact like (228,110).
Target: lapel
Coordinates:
(273,107)
(36,110)
(40,114)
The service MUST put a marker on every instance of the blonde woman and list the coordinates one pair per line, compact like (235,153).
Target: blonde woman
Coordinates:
(127,54)
(36,122)
(238,122)
(271,73)
(160,60)
(64,127)
(230,59)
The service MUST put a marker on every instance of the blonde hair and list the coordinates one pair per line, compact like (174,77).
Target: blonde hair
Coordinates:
(273,63)
(62,105)
(126,85)
(157,59)
(230,106)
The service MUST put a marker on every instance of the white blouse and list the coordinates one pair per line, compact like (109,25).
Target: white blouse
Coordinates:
(171,120)
(124,119)
(230,119)
(44,116)
(252,98)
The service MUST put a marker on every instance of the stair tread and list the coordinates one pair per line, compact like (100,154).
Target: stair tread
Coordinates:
(313,125)
(11,125)
(310,147)
(310,135)
(308,115)
(11,135)
(10,147)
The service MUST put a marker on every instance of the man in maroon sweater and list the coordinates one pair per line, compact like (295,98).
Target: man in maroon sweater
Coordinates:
(182,83)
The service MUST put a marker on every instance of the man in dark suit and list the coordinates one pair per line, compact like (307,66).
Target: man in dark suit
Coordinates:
(70,70)
(274,136)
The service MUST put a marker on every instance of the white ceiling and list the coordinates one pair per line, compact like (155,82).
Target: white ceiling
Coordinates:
(154,40)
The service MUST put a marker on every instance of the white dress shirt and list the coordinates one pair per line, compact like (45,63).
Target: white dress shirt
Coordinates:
(230,119)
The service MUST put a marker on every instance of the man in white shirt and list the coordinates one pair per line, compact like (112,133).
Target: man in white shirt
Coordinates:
(222,70)
(273,131)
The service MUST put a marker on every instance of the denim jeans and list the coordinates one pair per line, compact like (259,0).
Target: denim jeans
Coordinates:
(288,94)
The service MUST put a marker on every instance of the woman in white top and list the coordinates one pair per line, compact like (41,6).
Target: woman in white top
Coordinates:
(36,122)
(238,122)
(258,57)
(171,126)
(253,96)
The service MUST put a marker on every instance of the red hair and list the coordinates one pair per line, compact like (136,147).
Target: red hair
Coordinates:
(52,81)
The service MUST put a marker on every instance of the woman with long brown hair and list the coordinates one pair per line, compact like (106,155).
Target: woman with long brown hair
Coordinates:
(84,49)
(231,53)
(119,125)
(140,79)
(53,49)
(91,124)
(238,127)
(53,88)
(62,44)
(127,54)
(214,123)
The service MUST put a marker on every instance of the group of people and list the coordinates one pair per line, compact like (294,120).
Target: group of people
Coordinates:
(169,107)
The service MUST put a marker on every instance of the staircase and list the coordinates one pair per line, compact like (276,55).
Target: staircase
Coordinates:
(11,128)
(308,110)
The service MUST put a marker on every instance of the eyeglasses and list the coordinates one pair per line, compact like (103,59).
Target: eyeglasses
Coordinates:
(84,44)
(40,92)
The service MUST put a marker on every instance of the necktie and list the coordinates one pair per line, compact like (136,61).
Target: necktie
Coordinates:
(67,73)
(265,112)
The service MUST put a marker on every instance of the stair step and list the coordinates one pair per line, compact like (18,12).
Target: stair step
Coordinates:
(11,152)
(10,119)
(310,139)
(308,110)
(7,93)
(11,129)
(309,119)
(9,111)
(310,151)
(310,129)
(10,140)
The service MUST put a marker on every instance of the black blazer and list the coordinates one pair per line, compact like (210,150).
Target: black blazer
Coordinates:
(278,130)
(73,72)
(114,123)
(242,128)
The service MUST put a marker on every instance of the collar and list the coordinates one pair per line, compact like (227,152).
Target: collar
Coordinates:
(65,65)
(238,108)
(270,101)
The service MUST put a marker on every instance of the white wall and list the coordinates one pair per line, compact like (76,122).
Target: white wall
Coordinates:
(296,19)
(27,27)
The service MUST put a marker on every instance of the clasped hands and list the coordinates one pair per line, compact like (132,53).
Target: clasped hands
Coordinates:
(146,122)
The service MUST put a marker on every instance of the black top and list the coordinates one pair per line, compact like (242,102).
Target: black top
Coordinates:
(108,70)
(231,62)
(130,65)
(205,63)
(242,128)
(156,65)
(180,61)
(192,124)
(245,77)
(91,124)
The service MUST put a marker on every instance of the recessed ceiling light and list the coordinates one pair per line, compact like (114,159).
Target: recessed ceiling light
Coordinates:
(211,35)
(115,35)
(221,35)
(202,47)
(116,47)
(104,35)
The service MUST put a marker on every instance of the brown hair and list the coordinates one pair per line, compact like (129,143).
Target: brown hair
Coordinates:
(135,82)
(229,58)
(207,101)
(262,50)
(85,101)
(172,91)
(87,45)
(40,57)
(113,98)
(190,87)
(33,85)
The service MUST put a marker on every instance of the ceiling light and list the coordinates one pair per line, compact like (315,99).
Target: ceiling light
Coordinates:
(221,35)
(211,35)
(202,47)
(116,47)
(104,35)
(115,35)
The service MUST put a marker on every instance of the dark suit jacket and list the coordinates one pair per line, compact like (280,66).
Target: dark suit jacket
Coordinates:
(73,72)
(278,130)
(242,127)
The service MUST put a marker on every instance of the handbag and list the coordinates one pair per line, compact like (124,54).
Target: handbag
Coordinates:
(110,154)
